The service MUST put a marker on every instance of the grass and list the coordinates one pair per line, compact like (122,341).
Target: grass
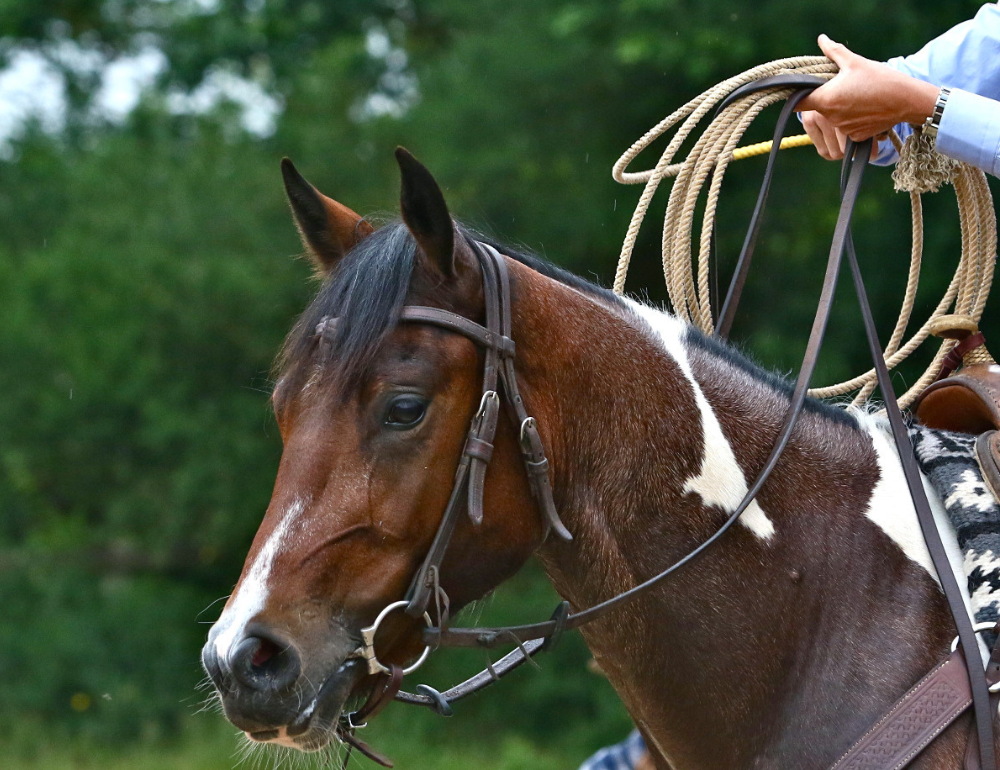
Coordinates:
(546,718)
(207,742)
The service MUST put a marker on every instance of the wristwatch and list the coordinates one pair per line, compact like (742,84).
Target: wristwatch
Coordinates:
(933,123)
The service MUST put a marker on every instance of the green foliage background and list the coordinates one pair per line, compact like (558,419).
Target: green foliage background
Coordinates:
(147,278)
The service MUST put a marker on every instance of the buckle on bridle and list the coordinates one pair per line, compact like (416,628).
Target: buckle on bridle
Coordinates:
(490,399)
(367,649)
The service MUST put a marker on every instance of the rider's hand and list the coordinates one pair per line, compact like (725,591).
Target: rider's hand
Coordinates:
(830,141)
(864,99)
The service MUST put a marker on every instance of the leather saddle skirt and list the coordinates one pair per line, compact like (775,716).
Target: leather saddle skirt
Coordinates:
(968,402)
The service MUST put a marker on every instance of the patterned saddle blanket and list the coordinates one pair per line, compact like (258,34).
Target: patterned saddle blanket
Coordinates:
(949,462)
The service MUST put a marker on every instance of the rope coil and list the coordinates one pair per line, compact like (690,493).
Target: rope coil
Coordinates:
(687,276)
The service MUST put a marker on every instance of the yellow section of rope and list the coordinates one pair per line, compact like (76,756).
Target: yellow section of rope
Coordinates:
(763,148)
(687,274)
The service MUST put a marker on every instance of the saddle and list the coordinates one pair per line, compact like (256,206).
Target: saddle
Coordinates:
(966,401)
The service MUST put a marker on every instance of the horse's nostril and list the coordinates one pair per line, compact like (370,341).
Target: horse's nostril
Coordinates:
(262,662)
(210,660)
(266,650)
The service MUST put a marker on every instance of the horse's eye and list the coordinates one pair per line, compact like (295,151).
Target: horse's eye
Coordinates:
(405,412)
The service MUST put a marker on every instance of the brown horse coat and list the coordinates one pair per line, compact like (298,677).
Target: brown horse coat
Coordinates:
(777,649)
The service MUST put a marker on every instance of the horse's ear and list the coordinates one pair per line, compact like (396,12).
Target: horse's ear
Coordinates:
(329,229)
(425,213)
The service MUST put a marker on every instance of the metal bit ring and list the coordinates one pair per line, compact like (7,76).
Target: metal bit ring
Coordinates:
(367,649)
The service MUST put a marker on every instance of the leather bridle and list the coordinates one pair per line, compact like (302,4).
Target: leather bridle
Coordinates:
(499,378)
(498,369)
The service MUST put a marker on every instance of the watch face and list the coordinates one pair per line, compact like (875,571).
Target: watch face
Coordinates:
(932,123)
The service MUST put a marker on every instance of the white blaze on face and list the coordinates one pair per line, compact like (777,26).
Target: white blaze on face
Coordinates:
(720,482)
(252,594)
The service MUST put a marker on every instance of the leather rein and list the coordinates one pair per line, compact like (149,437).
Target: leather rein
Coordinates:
(499,377)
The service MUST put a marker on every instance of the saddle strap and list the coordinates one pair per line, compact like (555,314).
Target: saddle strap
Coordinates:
(926,711)
(918,718)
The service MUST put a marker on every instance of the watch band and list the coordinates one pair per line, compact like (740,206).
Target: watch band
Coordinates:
(933,123)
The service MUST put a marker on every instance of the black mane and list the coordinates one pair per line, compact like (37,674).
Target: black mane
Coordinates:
(740,360)
(364,293)
(367,290)
(549,270)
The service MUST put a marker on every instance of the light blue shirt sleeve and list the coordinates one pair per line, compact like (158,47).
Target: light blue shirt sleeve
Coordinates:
(965,59)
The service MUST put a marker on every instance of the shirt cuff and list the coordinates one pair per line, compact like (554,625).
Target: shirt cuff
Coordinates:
(970,130)
(887,154)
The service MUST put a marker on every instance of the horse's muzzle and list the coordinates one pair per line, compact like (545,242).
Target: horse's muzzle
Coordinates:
(264,693)
(256,679)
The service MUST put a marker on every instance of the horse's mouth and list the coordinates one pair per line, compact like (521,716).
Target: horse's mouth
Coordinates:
(316,724)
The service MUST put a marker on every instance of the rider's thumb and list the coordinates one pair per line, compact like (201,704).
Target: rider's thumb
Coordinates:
(838,53)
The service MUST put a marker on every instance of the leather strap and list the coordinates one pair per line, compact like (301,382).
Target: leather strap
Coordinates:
(490,637)
(354,742)
(385,691)
(794,81)
(942,565)
(383,694)
(478,449)
(926,710)
(805,84)
(992,679)
(953,359)
(435,316)
(470,476)
(918,718)
(473,684)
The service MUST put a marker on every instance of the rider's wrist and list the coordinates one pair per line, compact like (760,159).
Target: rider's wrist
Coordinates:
(933,122)
(923,98)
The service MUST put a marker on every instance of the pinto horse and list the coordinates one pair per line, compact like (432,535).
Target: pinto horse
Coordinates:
(778,648)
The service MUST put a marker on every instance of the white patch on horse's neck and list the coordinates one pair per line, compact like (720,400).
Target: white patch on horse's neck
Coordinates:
(721,481)
(891,508)
(253,591)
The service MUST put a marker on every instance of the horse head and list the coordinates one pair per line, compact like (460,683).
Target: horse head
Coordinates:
(373,416)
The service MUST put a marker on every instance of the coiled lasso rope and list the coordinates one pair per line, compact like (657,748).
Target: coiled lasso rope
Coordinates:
(919,170)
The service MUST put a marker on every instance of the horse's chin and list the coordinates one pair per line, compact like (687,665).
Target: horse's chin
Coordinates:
(316,725)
